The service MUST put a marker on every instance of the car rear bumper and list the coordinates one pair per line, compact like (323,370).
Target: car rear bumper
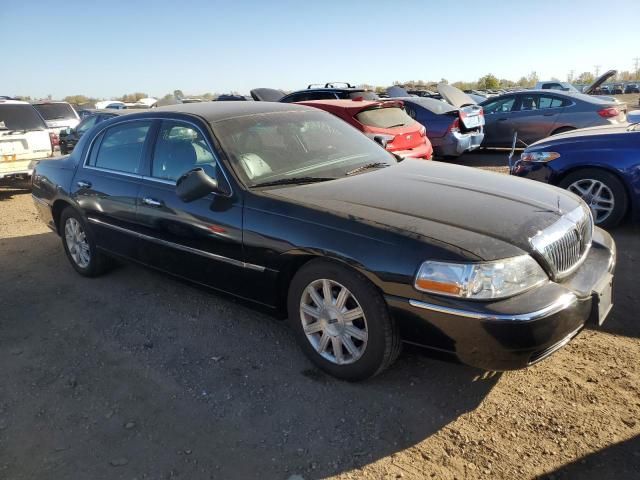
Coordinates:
(512,333)
(454,144)
(424,151)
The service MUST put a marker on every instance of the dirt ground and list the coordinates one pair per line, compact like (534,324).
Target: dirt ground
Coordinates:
(135,375)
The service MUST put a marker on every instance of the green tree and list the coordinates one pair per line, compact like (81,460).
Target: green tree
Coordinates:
(77,99)
(585,77)
(488,82)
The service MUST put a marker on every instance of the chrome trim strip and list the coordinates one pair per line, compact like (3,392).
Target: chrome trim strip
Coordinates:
(117,172)
(554,348)
(184,248)
(564,301)
(40,201)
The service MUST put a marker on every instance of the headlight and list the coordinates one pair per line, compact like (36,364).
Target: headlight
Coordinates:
(539,157)
(480,281)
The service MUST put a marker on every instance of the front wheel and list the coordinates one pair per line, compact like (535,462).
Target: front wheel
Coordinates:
(341,321)
(80,246)
(602,191)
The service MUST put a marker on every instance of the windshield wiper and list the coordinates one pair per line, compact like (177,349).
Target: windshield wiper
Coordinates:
(367,167)
(396,125)
(293,181)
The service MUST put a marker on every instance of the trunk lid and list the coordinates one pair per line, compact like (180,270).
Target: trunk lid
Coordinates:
(599,81)
(454,96)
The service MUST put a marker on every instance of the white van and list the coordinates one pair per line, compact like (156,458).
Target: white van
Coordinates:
(24,138)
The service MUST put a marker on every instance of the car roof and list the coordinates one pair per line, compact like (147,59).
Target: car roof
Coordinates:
(216,111)
(46,102)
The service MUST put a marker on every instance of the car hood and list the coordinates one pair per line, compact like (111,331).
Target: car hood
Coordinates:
(578,136)
(599,81)
(487,214)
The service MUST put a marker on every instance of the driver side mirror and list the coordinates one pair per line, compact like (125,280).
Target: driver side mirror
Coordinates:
(195,184)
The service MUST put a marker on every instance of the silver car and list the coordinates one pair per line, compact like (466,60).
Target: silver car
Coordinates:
(536,114)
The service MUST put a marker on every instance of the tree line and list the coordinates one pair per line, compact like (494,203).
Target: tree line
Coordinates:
(486,82)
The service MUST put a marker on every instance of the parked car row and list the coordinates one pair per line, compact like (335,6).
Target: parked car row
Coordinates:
(290,208)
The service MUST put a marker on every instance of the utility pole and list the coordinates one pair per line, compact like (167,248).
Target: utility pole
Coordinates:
(636,70)
(570,76)
(597,69)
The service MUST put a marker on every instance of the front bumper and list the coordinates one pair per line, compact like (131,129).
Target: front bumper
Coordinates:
(515,332)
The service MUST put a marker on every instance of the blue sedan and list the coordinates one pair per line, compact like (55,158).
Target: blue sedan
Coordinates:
(600,164)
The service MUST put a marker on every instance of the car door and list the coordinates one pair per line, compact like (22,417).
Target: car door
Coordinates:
(106,184)
(200,240)
(498,116)
(536,116)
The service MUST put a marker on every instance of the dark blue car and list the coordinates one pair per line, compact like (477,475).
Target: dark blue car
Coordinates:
(600,164)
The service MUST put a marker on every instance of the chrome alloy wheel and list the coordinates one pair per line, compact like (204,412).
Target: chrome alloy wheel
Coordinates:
(597,195)
(77,243)
(333,321)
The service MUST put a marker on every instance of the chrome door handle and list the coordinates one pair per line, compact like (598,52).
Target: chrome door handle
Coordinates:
(83,184)
(152,202)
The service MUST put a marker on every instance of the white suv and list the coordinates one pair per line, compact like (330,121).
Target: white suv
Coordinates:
(24,138)
(58,115)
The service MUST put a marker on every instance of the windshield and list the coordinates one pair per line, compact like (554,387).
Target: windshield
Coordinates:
(20,117)
(286,145)
(387,117)
(55,111)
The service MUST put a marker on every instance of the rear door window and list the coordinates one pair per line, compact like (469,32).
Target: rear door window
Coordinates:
(20,117)
(121,147)
(56,111)
(550,102)
(388,117)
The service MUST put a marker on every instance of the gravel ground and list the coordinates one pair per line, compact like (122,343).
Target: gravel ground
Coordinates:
(137,375)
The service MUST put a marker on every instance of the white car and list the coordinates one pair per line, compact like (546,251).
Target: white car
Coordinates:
(24,138)
(113,104)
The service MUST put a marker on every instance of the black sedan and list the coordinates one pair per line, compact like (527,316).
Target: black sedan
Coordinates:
(70,136)
(292,209)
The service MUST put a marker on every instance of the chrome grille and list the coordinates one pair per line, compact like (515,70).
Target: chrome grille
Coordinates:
(564,245)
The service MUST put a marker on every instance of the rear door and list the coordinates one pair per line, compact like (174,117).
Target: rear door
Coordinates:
(107,181)
(536,116)
(498,116)
(199,240)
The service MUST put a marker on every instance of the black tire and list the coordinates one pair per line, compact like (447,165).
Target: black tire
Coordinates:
(383,343)
(613,183)
(562,130)
(63,151)
(98,262)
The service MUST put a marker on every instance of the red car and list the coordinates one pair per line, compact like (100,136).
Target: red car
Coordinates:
(385,122)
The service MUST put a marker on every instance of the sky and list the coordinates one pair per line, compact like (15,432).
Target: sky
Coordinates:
(106,48)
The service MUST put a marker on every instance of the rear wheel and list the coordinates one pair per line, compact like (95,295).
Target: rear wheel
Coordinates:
(80,246)
(603,192)
(341,321)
